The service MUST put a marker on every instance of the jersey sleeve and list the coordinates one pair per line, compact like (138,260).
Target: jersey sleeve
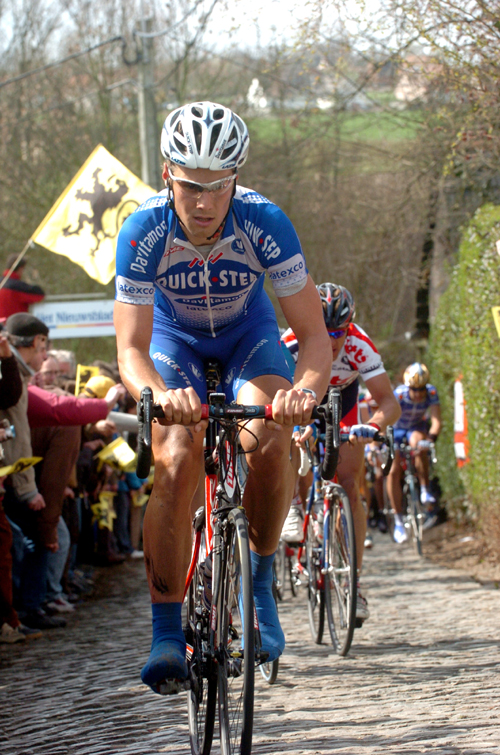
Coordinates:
(432,395)
(276,244)
(362,353)
(141,243)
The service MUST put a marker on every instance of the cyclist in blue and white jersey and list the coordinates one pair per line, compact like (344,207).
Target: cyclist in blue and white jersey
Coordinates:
(189,286)
(420,421)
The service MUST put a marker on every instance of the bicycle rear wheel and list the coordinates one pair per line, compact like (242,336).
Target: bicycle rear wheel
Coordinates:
(236,640)
(315,592)
(202,695)
(340,573)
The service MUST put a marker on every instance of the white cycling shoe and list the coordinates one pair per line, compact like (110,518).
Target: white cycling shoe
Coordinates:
(292,528)
(400,534)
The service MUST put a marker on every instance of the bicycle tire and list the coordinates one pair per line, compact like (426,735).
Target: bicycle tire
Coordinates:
(416,515)
(280,569)
(202,695)
(340,574)
(236,638)
(270,670)
(315,592)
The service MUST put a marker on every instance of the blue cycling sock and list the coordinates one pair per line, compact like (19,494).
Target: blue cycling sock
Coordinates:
(273,639)
(167,659)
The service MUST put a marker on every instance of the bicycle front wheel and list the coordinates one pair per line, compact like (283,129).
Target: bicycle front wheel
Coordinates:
(202,695)
(315,592)
(340,573)
(236,640)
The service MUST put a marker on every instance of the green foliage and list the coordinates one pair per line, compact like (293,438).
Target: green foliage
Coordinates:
(464,341)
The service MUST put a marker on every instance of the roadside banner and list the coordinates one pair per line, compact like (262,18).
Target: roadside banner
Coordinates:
(76,319)
(461,437)
(84,222)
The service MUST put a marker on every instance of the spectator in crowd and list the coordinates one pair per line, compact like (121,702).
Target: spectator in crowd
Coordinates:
(67,362)
(11,387)
(23,502)
(16,295)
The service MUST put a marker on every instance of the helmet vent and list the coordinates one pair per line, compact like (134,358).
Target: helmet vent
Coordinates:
(197,111)
(218,114)
(197,135)
(214,136)
(180,146)
(231,143)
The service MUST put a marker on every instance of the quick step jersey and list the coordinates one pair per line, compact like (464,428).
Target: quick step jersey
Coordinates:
(358,356)
(155,263)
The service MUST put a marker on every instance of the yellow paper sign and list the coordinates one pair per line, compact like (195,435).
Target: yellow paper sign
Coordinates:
(496,318)
(85,221)
(103,512)
(83,374)
(139,500)
(119,455)
(20,465)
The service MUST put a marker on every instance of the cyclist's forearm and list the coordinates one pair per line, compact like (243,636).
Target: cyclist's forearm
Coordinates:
(388,412)
(137,370)
(313,366)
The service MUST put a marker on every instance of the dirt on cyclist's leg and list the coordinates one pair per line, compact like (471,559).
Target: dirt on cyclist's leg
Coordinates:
(167,546)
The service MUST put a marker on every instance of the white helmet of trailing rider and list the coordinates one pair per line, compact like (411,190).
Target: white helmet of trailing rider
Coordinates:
(205,135)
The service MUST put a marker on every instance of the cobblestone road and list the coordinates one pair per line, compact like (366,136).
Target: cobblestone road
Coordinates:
(422,675)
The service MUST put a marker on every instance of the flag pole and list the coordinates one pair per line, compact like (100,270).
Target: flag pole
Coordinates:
(19,258)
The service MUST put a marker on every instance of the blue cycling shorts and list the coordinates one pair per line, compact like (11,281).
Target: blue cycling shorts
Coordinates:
(251,349)
(403,435)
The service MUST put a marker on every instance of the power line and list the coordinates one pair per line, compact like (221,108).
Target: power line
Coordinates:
(63,60)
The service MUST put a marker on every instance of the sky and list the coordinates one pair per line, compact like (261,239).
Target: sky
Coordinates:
(259,22)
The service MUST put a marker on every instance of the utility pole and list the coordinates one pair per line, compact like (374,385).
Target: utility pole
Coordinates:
(148,131)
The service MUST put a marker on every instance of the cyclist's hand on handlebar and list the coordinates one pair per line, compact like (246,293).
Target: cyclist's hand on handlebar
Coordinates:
(362,433)
(291,408)
(301,435)
(182,406)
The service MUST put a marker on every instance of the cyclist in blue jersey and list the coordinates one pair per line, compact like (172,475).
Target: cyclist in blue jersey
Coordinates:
(420,422)
(190,271)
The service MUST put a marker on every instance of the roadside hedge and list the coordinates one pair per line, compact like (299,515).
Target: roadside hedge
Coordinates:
(464,341)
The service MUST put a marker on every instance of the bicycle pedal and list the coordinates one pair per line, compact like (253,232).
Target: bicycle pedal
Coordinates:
(173,686)
(261,657)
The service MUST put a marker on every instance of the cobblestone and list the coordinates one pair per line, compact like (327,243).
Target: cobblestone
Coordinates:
(422,674)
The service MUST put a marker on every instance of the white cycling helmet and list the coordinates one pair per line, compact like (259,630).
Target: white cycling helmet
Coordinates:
(205,135)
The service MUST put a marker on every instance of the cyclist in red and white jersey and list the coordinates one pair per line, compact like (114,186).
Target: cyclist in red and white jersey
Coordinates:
(353,355)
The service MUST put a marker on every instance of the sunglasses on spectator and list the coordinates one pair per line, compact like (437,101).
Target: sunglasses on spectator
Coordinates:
(337,333)
(194,189)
